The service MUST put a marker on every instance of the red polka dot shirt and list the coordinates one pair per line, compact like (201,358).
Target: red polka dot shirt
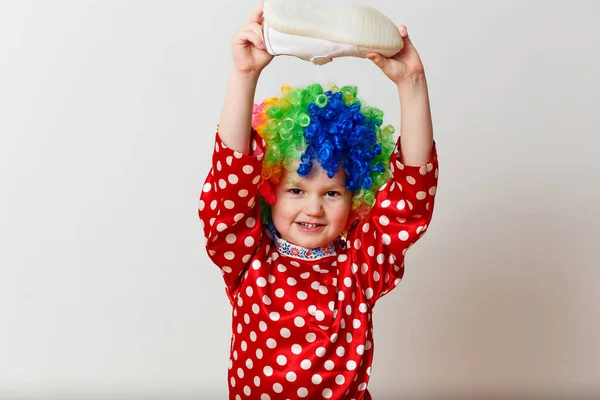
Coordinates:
(301,322)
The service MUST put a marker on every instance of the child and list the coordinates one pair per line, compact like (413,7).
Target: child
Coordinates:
(341,204)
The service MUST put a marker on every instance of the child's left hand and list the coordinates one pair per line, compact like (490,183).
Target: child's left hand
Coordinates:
(405,64)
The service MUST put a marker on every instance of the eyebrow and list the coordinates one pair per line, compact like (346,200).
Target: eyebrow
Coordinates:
(295,184)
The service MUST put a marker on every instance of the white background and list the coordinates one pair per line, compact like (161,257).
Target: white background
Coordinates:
(107,116)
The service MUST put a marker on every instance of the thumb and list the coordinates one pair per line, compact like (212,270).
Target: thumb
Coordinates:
(377,59)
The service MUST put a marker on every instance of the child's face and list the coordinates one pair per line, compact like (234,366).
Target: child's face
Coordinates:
(315,199)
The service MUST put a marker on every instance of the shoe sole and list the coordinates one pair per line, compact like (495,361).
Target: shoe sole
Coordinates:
(356,25)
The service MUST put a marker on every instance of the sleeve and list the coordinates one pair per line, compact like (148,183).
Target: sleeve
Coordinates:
(400,216)
(229,209)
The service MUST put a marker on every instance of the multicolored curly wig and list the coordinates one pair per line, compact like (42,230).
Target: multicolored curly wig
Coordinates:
(332,127)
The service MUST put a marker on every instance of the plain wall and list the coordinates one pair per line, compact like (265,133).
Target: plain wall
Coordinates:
(108,112)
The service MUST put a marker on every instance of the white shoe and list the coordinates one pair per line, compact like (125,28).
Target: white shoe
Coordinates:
(318,32)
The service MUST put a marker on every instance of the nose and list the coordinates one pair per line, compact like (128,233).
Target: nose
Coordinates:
(313,206)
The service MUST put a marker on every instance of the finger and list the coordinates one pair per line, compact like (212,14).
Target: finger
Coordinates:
(257,15)
(257,29)
(378,60)
(404,34)
(248,35)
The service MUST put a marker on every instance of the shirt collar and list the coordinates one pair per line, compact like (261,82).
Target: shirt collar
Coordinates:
(291,250)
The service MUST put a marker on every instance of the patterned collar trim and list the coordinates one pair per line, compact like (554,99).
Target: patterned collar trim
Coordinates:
(291,250)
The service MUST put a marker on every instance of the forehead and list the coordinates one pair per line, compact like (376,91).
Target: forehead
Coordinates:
(317,176)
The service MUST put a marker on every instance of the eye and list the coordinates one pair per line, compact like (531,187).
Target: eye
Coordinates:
(295,191)
(333,193)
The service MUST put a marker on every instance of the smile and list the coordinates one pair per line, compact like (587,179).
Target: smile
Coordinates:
(309,226)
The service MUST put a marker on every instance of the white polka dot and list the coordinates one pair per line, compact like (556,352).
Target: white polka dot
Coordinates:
(369,293)
(289,306)
(229,255)
(277,388)
(281,359)
(316,379)
(264,396)
(351,365)
(290,376)
(320,352)
(274,316)
(362,386)
(280,293)
(320,315)
(371,251)
(329,365)
(266,299)
(403,235)
(340,379)
(421,195)
(386,203)
(222,184)
(356,323)
(386,239)
(261,282)
(249,364)
(401,205)
(256,381)
(366,227)
(327,393)
(311,337)
(221,227)
(240,372)
(305,275)
(410,180)
(362,308)
(249,241)
(250,222)
(340,351)
(259,354)
(305,364)
(383,220)
(360,349)
(206,187)
(285,333)
(247,169)
(233,179)
(299,322)
(433,191)
(243,193)
(262,326)
(348,282)
(380,258)
(230,238)
(296,349)
(271,343)
(291,281)
(302,392)
(302,295)
(229,204)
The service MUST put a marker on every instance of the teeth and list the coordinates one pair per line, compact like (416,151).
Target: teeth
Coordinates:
(308,225)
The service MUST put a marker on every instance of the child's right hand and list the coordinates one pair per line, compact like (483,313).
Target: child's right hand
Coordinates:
(248,47)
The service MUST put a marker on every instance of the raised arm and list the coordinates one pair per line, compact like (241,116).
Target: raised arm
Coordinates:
(406,70)
(249,59)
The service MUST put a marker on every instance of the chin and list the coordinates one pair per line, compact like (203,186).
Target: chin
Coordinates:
(312,243)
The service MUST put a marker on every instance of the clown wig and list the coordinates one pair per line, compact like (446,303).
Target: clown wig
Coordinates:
(331,127)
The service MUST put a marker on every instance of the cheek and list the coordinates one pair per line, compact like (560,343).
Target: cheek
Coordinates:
(340,212)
